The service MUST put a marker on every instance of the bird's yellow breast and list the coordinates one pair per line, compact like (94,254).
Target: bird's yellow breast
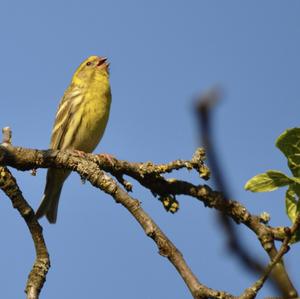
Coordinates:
(94,110)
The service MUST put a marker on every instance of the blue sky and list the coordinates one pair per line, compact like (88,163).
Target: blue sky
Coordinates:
(162,55)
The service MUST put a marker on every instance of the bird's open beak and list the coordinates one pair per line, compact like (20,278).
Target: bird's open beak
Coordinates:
(101,61)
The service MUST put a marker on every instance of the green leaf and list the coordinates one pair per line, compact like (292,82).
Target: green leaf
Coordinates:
(295,188)
(269,181)
(296,180)
(292,207)
(289,143)
(296,237)
(291,204)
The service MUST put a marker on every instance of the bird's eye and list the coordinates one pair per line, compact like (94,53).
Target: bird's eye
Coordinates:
(88,63)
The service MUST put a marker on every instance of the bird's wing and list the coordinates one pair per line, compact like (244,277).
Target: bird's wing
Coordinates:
(68,106)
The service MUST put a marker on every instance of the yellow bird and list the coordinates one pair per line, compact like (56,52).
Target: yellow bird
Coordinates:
(80,122)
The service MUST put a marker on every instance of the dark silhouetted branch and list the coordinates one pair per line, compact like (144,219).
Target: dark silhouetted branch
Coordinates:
(280,279)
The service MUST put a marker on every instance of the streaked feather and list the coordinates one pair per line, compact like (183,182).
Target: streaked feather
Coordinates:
(79,124)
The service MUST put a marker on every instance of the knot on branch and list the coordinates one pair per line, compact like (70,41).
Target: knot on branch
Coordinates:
(170,203)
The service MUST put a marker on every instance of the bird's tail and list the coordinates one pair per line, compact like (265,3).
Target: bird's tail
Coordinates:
(49,204)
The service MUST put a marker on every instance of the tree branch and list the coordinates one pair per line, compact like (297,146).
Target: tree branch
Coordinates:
(25,159)
(40,268)
(9,186)
(252,291)
(149,175)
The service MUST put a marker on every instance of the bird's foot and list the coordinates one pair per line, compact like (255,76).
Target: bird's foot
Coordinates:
(79,153)
(108,157)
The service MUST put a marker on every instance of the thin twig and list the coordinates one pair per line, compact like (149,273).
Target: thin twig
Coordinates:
(252,291)
(9,186)
(166,248)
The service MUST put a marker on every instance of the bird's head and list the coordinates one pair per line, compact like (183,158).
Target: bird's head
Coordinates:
(92,68)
